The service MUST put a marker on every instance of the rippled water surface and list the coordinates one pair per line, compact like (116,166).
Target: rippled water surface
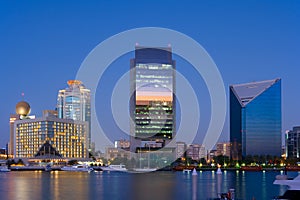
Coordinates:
(116,185)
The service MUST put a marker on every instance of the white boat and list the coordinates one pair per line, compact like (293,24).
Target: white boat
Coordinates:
(4,169)
(194,172)
(293,191)
(77,168)
(186,171)
(219,171)
(144,169)
(48,168)
(119,168)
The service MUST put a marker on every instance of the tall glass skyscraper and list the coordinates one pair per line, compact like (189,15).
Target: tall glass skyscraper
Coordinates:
(152,95)
(255,119)
(74,103)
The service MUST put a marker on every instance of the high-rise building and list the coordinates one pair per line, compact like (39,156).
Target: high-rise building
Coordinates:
(180,149)
(223,149)
(152,103)
(195,151)
(202,152)
(255,118)
(22,112)
(74,103)
(292,141)
(12,119)
(68,137)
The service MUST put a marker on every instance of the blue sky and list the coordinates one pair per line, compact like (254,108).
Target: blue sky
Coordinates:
(43,43)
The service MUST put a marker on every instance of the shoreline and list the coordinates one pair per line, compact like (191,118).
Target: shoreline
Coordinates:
(40,168)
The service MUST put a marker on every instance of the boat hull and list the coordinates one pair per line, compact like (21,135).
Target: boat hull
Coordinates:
(76,169)
(142,170)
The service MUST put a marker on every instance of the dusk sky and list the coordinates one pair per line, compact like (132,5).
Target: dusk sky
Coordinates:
(43,43)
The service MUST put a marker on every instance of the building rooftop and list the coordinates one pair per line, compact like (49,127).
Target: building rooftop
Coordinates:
(246,92)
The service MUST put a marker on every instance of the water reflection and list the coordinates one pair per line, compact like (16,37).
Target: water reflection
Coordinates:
(219,183)
(195,183)
(159,185)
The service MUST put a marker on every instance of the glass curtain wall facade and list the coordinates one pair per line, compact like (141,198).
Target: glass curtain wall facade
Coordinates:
(68,137)
(152,86)
(74,103)
(255,119)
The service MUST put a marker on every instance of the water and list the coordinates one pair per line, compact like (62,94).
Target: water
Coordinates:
(116,185)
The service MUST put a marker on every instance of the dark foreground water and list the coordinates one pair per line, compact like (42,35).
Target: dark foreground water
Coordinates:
(116,185)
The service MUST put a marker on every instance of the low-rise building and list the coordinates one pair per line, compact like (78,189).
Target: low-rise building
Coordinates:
(67,136)
(112,153)
(123,144)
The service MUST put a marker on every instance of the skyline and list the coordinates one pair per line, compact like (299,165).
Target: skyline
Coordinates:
(38,58)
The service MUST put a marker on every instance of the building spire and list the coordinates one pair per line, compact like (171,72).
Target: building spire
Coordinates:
(23,95)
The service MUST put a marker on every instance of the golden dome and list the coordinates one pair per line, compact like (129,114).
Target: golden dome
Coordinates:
(23,108)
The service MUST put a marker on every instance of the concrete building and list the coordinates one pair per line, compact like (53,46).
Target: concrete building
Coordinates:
(67,136)
(22,112)
(223,149)
(11,144)
(292,141)
(180,149)
(122,144)
(195,151)
(113,153)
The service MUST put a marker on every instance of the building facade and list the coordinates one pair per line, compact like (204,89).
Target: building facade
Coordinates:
(74,103)
(11,144)
(113,153)
(292,141)
(67,136)
(152,104)
(123,144)
(255,119)
(195,151)
(180,149)
(223,149)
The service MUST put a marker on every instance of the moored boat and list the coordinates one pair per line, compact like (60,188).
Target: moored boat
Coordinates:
(292,168)
(251,168)
(144,169)
(119,168)
(182,167)
(186,170)
(48,168)
(293,192)
(77,168)
(4,169)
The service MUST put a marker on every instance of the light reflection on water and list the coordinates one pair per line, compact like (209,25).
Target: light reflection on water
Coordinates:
(159,185)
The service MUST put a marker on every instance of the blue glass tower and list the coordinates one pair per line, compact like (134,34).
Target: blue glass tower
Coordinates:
(255,119)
